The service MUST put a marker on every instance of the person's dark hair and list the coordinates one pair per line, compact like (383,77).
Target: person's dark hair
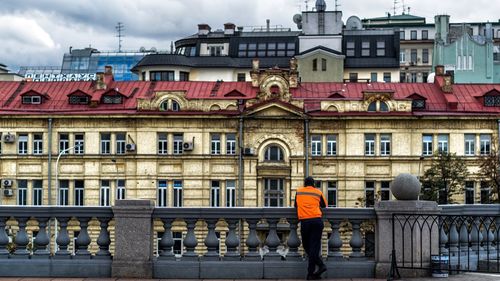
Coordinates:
(309,181)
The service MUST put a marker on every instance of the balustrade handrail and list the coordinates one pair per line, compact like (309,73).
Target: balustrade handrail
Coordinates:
(471,210)
(56,211)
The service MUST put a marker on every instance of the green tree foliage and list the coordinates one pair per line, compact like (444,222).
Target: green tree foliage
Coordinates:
(490,173)
(444,179)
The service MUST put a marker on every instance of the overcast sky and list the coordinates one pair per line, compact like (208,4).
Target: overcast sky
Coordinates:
(39,32)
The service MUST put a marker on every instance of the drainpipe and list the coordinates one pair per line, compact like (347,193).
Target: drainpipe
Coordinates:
(306,145)
(49,185)
(240,163)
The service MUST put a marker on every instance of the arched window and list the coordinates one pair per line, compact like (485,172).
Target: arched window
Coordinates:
(378,106)
(372,107)
(175,106)
(384,107)
(273,153)
(164,105)
(170,104)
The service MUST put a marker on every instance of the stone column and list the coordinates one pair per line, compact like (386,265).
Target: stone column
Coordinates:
(133,239)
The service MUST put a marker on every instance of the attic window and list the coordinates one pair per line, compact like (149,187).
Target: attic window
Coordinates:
(75,99)
(492,100)
(112,99)
(378,106)
(171,105)
(418,104)
(32,99)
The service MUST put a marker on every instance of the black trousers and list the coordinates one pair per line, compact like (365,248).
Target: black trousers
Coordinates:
(311,231)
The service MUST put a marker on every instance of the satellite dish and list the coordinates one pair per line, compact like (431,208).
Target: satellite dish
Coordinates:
(142,49)
(354,23)
(153,49)
(298,20)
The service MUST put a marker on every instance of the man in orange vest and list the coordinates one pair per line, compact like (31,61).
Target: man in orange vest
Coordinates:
(308,202)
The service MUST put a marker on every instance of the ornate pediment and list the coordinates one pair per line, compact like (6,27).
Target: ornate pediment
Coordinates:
(155,103)
(274,83)
(274,108)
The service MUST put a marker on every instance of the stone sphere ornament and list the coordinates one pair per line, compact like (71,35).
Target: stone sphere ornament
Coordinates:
(406,187)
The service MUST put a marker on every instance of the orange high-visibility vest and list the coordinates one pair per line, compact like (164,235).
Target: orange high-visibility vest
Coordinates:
(308,201)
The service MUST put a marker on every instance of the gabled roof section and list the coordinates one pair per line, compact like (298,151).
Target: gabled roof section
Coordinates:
(416,96)
(34,93)
(492,92)
(79,93)
(275,108)
(112,92)
(234,93)
(336,95)
(320,49)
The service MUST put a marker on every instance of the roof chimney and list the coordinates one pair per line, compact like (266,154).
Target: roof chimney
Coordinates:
(100,84)
(439,70)
(204,29)
(268,25)
(108,74)
(229,28)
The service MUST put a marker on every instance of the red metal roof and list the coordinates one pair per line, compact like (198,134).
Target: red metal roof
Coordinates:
(468,97)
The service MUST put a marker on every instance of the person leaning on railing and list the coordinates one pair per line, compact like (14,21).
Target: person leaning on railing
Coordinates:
(308,202)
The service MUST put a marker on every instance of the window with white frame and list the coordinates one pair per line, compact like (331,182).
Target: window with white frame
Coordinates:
(385,144)
(120,190)
(79,193)
(63,143)
(37,192)
(63,194)
(178,193)
(162,193)
(79,144)
(22,192)
(22,144)
(162,143)
(470,144)
(215,194)
(104,193)
(402,56)
(230,193)
(231,144)
(385,192)
(331,145)
(178,140)
(178,248)
(105,143)
(316,145)
(215,144)
(120,143)
(485,193)
(273,153)
(469,192)
(369,144)
(274,192)
(380,48)
(485,144)
(332,193)
(443,143)
(365,48)
(369,194)
(427,145)
(37,144)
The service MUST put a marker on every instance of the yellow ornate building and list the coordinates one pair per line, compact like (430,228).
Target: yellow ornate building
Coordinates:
(233,143)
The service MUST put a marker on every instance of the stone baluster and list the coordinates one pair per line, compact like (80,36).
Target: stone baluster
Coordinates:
(63,239)
(232,241)
(488,236)
(497,236)
(464,237)
(443,239)
(252,241)
(4,239)
(103,240)
(190,241)
(42,240)
(211,241)
(475,235)
(167,241)
(272,240)
(83,240)
(293,241)
(453,238)
(335,242)
(356,241)
(21,239)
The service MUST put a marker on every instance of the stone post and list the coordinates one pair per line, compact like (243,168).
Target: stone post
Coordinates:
(133,239)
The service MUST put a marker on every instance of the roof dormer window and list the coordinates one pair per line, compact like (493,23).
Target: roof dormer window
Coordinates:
(492,100)
(418,104)
(32,100)
(78,100)
(112,99)
(378,106)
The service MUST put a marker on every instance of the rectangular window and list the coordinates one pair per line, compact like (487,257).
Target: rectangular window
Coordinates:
(63,194)
(120,143)
(485,144)
(215,144)
(178,248)
(369,194)
(177,193)
(485,193)
(353,77)
(387,77)
(331,145)
(79,193)
(273,192)
(22,192)
(413,35)
(37,144)
(315,65)
(162,143)
(369,144)
(323,64)
(230,193)
(231,144)
(350,49)
(443,143)
(162,76)
(402,35)
(79,144)
(425,55)
(241,77)
(373,77)
(22,144)
(380,48)
(63,143)
(385,191)
(37,192)
(425,35)
(316,145)
(385,144)
(120,189)
(470,145)
(427,145)
(402,77)
(162,193)
(104,193)
(413,56)
(332,194)
(183,76)
(105,143)
(402,56)
(215,194)
(413,77)
(469,192)
(178,140)
(365,49)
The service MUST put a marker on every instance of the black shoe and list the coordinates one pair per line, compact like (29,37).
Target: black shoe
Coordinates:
(313,277)
(320,271)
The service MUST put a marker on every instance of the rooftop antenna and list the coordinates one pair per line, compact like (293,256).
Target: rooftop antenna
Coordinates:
(408,10)
(120,28)
(337,5)
(404,7)
(307,5)
(394,7)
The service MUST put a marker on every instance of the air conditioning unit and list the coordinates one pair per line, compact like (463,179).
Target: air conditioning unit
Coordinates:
(130,147)
(7,183)
(8,192)
(9,138)
(249,151)
(188,146)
